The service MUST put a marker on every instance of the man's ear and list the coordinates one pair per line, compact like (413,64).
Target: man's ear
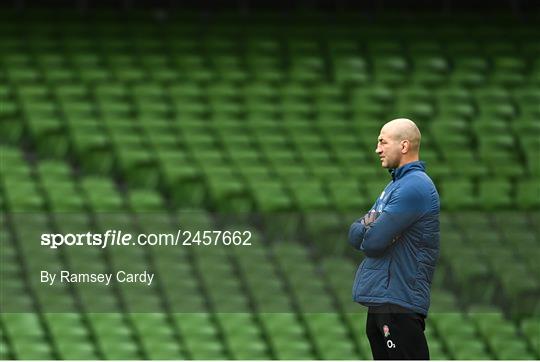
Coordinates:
(405,145)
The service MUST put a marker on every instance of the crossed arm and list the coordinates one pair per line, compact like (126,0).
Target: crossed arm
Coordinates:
(375,232)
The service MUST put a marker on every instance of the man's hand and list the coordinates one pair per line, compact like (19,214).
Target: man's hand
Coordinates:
(369,218)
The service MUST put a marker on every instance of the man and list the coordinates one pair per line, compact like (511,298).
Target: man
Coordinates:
(400,239)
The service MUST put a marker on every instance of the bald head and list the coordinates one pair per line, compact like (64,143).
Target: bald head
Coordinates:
(403,129)
(398,143)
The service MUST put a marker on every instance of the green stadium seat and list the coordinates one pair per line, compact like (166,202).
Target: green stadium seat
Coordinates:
(527,101)
(22,196)
(528,194)
(370,103)
(307,68)
(102,194)
(457,194)
(442,301)
(530,330)
(391,70)
(495,194)
(509,71)
(347,196)
(25,331)
(469,70)
(309,196)
(350,69)
(469,349)
(162,342)
(502,163)
(145,201)
(200,336)
(271,196)
(286,336)
(138,167)
(464,163)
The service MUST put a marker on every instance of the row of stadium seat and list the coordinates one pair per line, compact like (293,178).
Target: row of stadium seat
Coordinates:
(243,191)
(429,70)
(463,334)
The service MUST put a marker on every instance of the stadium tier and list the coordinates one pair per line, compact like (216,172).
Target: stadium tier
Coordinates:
(139,123)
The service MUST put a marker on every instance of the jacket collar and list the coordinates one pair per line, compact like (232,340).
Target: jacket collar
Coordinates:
(399,172)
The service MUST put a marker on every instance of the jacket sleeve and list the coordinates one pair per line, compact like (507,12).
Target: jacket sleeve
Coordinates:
(356,233)
(357,230)
(406,205)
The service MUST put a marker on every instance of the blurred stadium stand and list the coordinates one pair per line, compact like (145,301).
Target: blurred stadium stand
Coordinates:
(272,113)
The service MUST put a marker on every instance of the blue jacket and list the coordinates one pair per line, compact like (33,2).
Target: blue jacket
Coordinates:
(402,245)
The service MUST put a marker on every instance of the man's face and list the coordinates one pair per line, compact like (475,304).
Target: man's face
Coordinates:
(388,149)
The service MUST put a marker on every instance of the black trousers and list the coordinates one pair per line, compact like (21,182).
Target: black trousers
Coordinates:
(396,333)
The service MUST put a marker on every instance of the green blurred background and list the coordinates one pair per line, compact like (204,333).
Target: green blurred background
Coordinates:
(236,117)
